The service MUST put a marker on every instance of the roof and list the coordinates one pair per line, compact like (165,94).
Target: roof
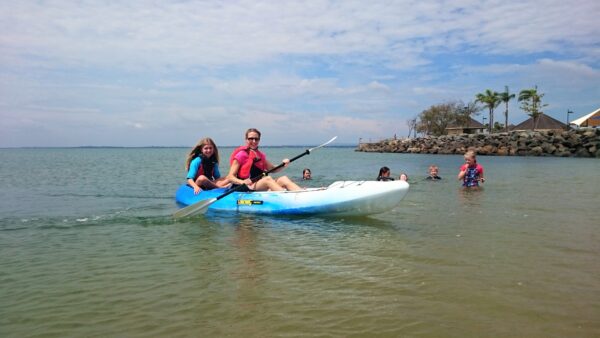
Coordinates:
(543,122)
(473,124)
(578,122)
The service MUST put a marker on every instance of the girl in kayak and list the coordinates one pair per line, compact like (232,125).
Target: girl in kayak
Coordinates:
(202,165)
(247,163)
(471,173)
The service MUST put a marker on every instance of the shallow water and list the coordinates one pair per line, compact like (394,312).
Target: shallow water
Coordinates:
(88,247)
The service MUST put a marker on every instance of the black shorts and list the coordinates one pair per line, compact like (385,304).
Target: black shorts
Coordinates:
(240,188)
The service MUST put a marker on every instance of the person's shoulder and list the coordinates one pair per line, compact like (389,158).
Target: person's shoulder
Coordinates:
(240,153)
(260,153)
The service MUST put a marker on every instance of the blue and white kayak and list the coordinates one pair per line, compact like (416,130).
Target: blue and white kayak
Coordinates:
(348,198)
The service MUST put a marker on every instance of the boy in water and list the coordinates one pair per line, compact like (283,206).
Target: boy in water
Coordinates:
(471,173)
(433,173)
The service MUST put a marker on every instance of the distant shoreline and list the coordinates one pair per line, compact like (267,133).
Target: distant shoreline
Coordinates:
(175,147)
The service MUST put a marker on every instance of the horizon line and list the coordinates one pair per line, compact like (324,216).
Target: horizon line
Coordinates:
(122,147)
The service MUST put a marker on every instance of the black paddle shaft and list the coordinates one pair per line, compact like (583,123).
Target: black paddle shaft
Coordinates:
(306,152)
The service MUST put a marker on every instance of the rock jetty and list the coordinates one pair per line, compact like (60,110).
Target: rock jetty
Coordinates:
(569,143)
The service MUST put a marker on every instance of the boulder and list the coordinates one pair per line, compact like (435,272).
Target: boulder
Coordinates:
(490,149)
(502,151)
(548,148)
(536,151)
(582,152)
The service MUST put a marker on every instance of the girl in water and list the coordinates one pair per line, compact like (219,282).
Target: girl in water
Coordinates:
(471,173)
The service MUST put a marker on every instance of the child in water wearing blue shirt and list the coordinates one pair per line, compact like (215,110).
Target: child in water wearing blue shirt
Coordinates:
(471,173)
(202,165)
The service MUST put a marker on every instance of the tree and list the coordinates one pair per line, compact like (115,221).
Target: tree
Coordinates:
(470,109)
(434,120)
(463,116)
(491,100)
(412,124)
(531,103)
(498,127)
(506,97)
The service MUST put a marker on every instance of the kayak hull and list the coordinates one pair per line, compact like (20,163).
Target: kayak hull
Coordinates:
(350,198)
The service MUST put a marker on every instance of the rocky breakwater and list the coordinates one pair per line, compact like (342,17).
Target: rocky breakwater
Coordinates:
(570,143)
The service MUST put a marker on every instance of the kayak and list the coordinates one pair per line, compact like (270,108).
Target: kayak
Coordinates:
(347,198)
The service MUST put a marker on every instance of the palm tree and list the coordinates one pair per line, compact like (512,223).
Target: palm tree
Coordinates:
(491,100)
(531,102)
(505,97)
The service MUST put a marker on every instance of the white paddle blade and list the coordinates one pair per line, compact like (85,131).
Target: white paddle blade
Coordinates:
(198,207)
(322,145)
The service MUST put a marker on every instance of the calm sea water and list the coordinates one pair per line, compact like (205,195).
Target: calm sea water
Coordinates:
(88,248)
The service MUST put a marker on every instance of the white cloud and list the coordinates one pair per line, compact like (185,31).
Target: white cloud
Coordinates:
(576,69)
(184,34)
(557,73)
(168,67)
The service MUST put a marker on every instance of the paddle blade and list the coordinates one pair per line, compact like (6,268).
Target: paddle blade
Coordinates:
(193,209)
(322,145)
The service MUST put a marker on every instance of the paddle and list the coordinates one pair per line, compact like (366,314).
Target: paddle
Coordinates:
(202,206)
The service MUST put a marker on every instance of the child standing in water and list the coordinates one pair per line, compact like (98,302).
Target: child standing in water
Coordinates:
(471,173)
(202,165)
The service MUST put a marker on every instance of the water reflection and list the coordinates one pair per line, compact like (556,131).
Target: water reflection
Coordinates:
(471,197)
(292,222)
(245,252)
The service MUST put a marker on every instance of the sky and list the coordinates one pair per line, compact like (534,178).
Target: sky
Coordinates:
(167,73)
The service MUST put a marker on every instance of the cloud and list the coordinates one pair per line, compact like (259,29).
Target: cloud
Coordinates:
(280,85)
(168,68)
(185,34)
(577,69)
(559,74)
